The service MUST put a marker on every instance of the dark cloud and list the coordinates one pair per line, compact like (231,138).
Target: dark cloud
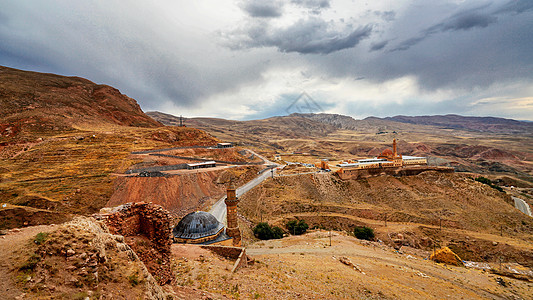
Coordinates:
(464,20)
(479,17)
(172,58)
(306,36)
(263,9)
(516,6)
(378,46)
(312,3)
(314,6)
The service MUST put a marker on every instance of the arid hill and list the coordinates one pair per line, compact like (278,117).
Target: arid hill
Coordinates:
(481,124)
(62,139)
(256,132)
(414,206)
(39,103)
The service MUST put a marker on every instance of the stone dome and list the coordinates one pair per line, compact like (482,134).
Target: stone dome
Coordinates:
(197,225)
(387,152)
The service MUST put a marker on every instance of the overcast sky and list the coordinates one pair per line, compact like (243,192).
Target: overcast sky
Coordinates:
(254,59)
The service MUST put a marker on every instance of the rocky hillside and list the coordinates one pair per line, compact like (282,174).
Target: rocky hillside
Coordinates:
(42,103)
(481,124)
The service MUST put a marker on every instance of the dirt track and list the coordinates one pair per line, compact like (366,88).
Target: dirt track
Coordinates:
(12,244)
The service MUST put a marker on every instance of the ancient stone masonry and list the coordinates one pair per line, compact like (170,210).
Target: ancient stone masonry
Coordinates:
(231,205)
(146,228)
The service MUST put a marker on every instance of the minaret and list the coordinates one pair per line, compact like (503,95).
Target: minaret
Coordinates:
(395,152)
(232,228)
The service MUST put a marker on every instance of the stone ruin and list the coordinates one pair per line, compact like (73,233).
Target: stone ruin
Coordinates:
(146,229)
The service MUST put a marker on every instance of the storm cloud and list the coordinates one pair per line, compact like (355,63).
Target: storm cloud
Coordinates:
(247,59)
(263,9)
(306,36)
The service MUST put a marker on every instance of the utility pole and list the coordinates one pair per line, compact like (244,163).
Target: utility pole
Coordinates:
(330,237)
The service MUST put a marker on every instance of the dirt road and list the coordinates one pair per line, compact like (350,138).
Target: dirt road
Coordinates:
(11,245)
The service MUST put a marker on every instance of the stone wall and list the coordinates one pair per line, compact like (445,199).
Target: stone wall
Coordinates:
(147,230)
(237,253)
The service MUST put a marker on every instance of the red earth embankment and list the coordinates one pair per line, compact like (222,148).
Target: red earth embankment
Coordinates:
(178,194)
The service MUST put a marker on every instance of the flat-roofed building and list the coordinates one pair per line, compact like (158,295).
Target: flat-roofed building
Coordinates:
(224,145)
(200,165)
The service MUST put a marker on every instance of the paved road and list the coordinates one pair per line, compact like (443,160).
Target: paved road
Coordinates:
(219,208)
(522,205)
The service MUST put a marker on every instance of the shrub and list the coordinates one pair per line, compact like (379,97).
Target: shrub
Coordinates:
(364,233)
(133,279)
(263,231)
(488,182)
(297,227)
(40,238)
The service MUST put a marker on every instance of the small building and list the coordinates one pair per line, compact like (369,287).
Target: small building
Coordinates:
(224,145)
(200,165)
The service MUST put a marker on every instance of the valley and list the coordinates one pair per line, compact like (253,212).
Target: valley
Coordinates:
(75,156)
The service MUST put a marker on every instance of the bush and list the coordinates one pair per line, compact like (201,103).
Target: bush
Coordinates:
(297,227)
(489,183)
(364,233)
(40,238)
(263,231)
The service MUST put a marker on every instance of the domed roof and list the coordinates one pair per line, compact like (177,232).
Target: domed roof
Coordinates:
(387,152)
(197,225)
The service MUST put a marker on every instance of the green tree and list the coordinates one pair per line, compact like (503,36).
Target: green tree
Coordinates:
(364,233)
(263,231)
(297,227)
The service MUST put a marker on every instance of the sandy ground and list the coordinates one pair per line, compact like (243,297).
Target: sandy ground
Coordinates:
(306,267)
(11,245)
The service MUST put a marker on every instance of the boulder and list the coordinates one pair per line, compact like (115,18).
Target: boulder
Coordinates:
(447,256)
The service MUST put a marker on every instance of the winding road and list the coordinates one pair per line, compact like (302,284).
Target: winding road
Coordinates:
(522,205)
(219,208)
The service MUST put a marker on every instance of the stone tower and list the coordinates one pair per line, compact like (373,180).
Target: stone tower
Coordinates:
(232,228)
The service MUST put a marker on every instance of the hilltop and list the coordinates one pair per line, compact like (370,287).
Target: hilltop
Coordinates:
(63,139)
(38,103)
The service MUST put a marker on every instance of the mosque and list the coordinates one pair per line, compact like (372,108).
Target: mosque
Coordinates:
(387,162)
(203,228)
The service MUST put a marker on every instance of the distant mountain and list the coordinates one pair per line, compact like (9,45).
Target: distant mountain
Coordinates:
(293,126)
(39,102)
(336,120)
(481,124)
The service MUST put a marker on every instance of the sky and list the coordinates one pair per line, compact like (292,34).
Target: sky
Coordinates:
(256,59)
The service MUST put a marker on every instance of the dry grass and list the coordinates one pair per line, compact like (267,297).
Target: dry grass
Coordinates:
(76,169)
(306,267)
